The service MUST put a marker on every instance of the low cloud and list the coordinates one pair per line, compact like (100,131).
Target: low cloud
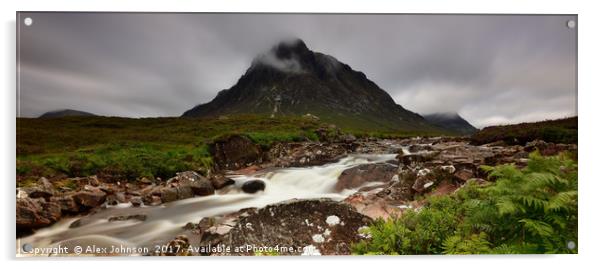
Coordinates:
(291,65)
(490,69)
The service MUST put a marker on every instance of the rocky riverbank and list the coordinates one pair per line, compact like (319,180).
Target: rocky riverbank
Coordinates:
(422,167)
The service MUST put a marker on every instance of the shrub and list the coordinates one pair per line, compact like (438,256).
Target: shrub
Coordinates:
(533,210)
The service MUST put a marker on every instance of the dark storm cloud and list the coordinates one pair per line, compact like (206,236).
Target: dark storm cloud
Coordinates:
(490,69)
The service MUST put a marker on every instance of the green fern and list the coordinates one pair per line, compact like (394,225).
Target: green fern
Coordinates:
(530,210)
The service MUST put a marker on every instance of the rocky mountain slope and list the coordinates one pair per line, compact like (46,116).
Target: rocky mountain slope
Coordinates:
(452,122)
(292,80)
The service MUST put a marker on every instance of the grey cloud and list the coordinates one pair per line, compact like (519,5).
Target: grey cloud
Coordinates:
(490,69)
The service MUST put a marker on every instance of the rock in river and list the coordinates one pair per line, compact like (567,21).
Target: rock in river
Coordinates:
(89,199)
(36,213)
(328,226)
(200,185)
(253,186)
(357,176)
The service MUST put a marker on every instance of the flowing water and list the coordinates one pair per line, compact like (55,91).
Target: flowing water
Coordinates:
(165,221)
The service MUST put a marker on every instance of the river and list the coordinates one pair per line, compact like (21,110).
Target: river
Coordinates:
(164,222)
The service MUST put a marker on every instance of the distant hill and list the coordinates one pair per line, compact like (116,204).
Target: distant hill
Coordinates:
(65,113)
(290,79)
(452,122)
(556,131)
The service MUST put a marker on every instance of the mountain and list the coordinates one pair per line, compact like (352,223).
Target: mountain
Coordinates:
(451,122)
(290,79)
(65,113)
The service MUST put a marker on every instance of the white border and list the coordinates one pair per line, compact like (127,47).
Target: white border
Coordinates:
(589,126)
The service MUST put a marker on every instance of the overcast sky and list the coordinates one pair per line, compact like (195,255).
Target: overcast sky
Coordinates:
(489,69)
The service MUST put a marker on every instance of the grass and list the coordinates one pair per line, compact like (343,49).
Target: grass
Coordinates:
(126,148)
(556,131)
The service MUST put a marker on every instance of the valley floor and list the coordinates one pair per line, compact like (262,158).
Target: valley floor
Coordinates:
(342,195)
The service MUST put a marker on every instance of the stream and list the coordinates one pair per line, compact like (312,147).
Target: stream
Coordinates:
(165,221)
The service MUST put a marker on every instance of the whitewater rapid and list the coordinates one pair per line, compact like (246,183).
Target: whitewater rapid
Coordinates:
(164,222)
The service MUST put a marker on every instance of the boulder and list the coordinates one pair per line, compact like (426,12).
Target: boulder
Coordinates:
(400,190)
(199,185)
(43,189)
(253,186)
(220,182)
(170,194)
(36,213)
(67,204)
(328,226)
(357,176)
(116,198)
(234,152)
(89,199)
(136,201)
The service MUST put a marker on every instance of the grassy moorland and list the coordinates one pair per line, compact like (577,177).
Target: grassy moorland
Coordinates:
(530,210)
(127,148)
(555,131)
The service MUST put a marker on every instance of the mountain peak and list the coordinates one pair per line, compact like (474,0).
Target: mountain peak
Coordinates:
(291,79)
(287,48)
(451,121)
(289,56)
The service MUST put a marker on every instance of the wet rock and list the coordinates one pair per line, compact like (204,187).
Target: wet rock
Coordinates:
(253,186)
(400,190)
(296,223)
(43,189)
(220,182)
(116,198)
(112,200)
(138,217)
(136,201)
(67,204)
(234,152)
(36,213)
(38,193)
(170,194)
(357,176)
(199,185)
(89,199)
(152,200)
